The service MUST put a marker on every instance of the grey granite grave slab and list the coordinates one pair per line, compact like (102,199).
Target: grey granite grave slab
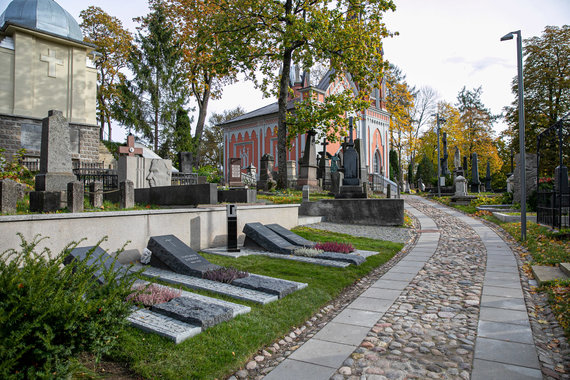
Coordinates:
(346,257)
(237,308)
(162,325)
(212,286)
(291,237)
(268,285)
(98,256)
(268,239)
(177,256)
(194,312)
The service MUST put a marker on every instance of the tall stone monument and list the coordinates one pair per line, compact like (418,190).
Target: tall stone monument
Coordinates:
(475,182)
(362,168)
(458,169)
(488,178)
(465,167)
(141,171)
(55,157)
(444,166)
(235,172)
(531,174)
(185,162)
(308,164)
(266,180)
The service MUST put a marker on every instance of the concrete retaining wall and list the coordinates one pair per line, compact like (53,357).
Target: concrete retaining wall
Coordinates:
(198,227)
(379,212)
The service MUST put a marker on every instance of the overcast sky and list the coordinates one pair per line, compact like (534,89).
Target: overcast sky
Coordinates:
(444,44)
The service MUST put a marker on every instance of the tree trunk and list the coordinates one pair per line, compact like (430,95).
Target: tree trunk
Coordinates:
(203,111)
(281,119)
(156,130)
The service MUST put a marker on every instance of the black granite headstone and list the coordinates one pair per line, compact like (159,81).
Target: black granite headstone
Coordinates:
(194,312)
(268,239)
(291,237)
(488,178)
(232,228)
(169,251)
(475,183)
(96,256)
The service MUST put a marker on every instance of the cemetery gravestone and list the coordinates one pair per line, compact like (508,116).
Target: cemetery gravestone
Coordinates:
(185,160)
(194,311)
(306,191)
(275,286)
(96,194)
(291,174)
(55,157)
(444,167)
(75,192)
(488,178)
(308,163)
(265,172)
(475,183)
(464,166)
(351,184)
(291,237)
(8,196)
(96,255)
(531,174)
(267,239)
(235,172)
(169,251)
(127,194)
(143,172)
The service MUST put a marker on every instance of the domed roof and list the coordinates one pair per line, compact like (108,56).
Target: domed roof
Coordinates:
(42,15)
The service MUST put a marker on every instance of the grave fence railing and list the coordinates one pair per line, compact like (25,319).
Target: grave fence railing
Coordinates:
(108,177)
(248,179)
(180,179)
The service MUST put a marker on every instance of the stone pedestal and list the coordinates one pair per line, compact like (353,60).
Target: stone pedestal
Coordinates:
(47,201)
(75,192)
(8,196)
(127,194)
(96,194)
(308,164)
(291,174)
(336,181)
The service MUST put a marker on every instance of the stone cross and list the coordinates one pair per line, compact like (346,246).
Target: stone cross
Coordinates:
(130,149)
(52,62)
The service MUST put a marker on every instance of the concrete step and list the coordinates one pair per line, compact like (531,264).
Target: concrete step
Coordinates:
(565,267)
(544,274)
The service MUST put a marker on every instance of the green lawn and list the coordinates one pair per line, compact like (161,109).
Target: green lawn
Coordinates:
(223,349)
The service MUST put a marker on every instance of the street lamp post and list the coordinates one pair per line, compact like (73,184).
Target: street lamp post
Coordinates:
(438,120)
(522,163)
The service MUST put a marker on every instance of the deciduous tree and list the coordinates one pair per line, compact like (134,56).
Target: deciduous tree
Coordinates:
(269,35)
(213,144)
(114,44)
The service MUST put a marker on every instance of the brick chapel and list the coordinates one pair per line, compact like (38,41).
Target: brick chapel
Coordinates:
(254,134)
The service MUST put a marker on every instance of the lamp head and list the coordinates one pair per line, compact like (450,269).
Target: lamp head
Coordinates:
(508,36)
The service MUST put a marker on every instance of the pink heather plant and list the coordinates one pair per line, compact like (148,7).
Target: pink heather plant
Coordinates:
(152,294)
(335,247)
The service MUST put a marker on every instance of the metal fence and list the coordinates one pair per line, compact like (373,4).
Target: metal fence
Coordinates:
(380,183)
(32,165)
(109,177)
(248,179)
(179,179)
(553,209)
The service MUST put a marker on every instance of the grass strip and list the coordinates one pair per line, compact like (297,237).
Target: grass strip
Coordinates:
(223,349)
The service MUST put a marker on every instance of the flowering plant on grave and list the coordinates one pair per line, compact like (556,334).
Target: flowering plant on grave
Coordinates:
(331,246)
(152,294)
(224,274)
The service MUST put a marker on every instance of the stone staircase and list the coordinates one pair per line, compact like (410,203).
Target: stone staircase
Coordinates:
(106,157)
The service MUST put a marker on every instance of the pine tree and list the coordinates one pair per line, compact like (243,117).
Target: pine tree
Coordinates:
(158,90)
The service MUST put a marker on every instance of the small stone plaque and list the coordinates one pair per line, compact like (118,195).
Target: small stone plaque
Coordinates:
(291,237)
(268,239)
(195,312)
(236,171)
(97,257)
(177,256)
(31,137)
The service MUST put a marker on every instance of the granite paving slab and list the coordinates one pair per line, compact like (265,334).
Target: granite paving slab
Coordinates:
(505,331)
(512,353)
(163,325)
(342,333)
(194,312)
(323,353)
(295,369)
(510,303)
(490,370)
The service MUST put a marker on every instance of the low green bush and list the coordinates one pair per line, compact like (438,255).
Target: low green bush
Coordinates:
(49,313)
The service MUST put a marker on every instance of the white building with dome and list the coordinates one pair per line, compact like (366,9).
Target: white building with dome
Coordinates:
(45,65)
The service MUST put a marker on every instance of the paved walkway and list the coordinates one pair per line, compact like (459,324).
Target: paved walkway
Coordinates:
(452,308)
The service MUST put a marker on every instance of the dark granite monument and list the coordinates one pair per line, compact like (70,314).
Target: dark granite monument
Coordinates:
(185,162)
(231,211)
(96,255)
(194,311)
(269,285)
(257,235)
(475,182)
(291,237)
(266,180)
(169,252)
(235,172)
(488,178)
(351,184)
(444,165)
